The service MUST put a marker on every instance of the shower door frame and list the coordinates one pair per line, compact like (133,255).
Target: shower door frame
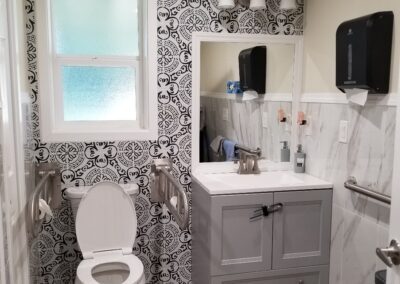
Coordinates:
(14,258)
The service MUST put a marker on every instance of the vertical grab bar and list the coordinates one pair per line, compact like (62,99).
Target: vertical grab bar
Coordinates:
(166,189)
(48,188)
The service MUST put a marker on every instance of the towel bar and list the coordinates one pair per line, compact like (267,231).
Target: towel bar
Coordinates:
(352,185)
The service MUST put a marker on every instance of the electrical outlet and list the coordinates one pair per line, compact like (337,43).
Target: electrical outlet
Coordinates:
(225,114)
(265,119)
(343,131)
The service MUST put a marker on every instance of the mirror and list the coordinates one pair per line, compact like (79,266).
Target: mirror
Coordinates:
(228,117)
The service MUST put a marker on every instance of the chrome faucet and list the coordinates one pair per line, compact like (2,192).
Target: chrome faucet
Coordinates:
(248,160)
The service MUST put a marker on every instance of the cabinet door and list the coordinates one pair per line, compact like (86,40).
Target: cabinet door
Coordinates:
(307,275)
(302,228)
(239,244)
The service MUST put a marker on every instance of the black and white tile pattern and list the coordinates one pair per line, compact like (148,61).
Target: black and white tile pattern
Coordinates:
(163,248)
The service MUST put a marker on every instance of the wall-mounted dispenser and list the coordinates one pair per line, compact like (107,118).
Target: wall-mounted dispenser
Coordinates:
(253,69)
(363,53)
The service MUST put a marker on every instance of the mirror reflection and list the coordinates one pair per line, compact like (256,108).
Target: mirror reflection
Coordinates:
(232,114)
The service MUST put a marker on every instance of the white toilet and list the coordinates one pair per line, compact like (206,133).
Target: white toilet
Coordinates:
(106,225)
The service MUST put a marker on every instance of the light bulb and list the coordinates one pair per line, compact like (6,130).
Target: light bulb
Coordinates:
(226,4)
(288,4)
(257,4)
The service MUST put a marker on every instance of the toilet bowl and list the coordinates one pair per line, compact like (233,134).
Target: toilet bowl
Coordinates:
(106,226)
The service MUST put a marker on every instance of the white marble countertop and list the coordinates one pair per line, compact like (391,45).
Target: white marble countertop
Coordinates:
(272,181)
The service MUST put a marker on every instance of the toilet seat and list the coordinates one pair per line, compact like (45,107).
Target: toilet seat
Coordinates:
(106,226)
(136,270)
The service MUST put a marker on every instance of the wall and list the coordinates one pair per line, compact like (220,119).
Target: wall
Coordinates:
(322,19)
(163,248)
(359,224)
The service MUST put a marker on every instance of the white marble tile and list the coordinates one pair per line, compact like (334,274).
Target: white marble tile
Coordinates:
(371,146)
(359,244)
(276,131)
(358,223)
(370,158)
(326,157)
(245,123)
(337,234)
(383,241)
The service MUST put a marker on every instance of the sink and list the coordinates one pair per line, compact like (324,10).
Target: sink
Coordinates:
(264,179)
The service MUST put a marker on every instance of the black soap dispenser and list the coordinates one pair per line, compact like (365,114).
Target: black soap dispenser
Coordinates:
(285,152)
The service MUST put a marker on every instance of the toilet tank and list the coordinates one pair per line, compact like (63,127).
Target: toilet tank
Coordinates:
(75,194)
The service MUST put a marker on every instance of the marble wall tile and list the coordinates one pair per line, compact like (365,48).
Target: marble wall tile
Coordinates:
(337,233)
(276,131)
(359,224)
(359,244)
(326,157)
(371,146)
(245,124)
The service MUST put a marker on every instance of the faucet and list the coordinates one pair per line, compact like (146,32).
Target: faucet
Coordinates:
(248,160)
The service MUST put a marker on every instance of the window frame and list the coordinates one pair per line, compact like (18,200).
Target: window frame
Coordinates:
(53,127)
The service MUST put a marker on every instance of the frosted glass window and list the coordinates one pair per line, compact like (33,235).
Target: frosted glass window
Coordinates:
(96,27)
(98,93)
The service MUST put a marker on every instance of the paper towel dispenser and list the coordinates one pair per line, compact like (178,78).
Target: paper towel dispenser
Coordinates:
(363,53)
(253,69)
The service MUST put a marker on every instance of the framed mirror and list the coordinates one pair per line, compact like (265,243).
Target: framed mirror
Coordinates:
(227,111)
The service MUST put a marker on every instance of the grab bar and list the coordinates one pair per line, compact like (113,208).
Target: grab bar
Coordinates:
(48,188)
(351,184)
(166,189)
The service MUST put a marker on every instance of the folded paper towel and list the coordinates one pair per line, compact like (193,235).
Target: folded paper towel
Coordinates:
(357,96)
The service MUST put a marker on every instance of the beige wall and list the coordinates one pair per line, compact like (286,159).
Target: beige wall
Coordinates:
(219,63)
(322,17)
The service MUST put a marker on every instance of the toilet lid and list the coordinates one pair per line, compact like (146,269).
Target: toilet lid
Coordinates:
(106,219)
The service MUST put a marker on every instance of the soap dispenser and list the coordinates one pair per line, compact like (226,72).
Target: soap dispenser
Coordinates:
(299,160)
(285,152)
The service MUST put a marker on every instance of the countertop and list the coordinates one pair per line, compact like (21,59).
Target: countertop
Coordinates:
(269,181)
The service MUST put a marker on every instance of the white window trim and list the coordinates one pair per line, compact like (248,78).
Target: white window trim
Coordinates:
(53,128)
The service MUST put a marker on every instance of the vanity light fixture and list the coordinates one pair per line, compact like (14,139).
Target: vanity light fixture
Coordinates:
(288,5)
(226,4)
(255,4)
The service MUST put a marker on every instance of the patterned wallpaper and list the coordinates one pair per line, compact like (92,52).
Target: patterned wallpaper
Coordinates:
(163,248)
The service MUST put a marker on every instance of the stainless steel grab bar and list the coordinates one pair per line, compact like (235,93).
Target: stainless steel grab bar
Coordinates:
(351,184)
(47,188)
(165,188)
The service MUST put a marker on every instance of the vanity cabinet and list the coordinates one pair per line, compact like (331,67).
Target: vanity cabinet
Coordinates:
(288,246)
(302,229)
(307,275)
(237,244)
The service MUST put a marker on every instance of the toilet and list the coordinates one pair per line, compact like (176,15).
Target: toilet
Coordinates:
(106,226)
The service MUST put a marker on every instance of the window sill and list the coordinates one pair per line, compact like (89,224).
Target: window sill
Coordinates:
(132,135)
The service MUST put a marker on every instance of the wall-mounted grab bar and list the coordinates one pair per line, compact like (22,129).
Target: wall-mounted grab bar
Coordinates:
(165,188)
(47,188)
(351,184)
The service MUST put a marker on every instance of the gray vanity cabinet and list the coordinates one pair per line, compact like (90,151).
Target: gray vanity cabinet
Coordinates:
(237,244)
(302,229)
(289,246)
(304,275)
